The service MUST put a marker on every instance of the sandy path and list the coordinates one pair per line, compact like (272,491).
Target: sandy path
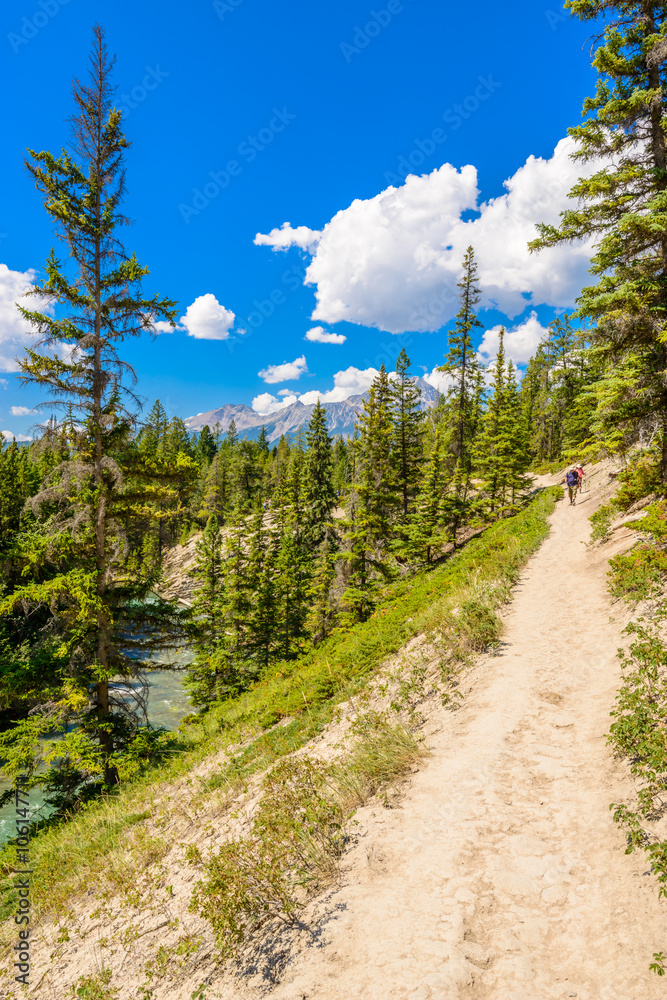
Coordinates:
(502,874)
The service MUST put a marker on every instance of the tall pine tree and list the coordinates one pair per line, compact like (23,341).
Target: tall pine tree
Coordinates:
(462,366)
(408,434)
(624,205)
(100,304)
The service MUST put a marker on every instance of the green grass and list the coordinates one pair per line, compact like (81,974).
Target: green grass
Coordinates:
(455,605)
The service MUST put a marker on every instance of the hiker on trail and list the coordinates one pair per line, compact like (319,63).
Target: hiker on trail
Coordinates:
(581,474)
(572,480)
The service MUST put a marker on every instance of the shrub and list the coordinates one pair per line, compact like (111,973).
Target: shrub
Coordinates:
(298,834)
(637,575)
(639,733)
(655,522)
(296,840)
(638,480)
(95,987)
(479,624)
(382,753)
(601,522)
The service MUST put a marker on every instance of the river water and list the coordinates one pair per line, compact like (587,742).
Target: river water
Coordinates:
(167,705)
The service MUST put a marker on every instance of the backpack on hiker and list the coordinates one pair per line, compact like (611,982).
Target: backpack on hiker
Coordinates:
(572,479)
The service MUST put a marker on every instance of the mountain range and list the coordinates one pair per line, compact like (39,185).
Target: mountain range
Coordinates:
(341,416)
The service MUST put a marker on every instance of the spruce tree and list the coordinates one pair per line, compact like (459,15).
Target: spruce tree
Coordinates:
(261,583)
(371,502)
(236,603)
(292,580)
(152,436)
(408,433)
(462,366)
(321,610)
(216,492)
(99,305)
(319,498)
(232,435)
(263,441)
(501,451)
(516,431)
(425,534)
(205,677)
(13,493)
(376,482)
(205,448)
(624,204)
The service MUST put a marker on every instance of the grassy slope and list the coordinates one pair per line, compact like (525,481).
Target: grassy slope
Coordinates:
(454,604)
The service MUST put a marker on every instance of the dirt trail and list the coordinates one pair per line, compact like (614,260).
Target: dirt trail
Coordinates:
(502,874)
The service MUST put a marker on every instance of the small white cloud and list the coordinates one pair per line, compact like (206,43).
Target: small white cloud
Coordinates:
(266,403)
(4,383)
(285,237)
(23,411)
(10,435)
(318,335)
(349,382)
(282,373)
(441,381)
(285,392)
(162,326)
(520,343)
(206,319)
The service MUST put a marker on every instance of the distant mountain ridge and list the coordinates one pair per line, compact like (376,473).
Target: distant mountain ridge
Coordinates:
(341,416)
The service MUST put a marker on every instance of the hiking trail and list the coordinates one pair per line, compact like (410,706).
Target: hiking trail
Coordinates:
(501,874)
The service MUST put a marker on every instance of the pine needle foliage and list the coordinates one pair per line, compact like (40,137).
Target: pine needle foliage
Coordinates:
(95,302)
(624,206)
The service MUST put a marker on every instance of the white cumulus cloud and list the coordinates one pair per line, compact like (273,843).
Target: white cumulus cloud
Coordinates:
(266,403)
(15,332)
(23,411)
(521,342)
(162,326)
(10,435)
(206,319)
(392,261)
(349,382)
(441,381)
(286,236)
(318,335)
(282,373)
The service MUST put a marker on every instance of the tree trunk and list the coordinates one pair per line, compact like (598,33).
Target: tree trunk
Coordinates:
(102,692)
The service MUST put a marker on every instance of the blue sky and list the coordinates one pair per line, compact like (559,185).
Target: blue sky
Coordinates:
(246,115)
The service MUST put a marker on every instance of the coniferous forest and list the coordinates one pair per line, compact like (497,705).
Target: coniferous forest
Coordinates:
(302,541)
(299,539)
